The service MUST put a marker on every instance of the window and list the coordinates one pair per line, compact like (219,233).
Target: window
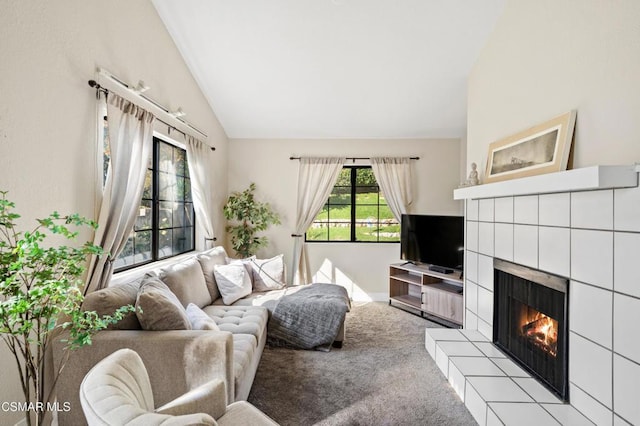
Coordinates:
(356,211)
(165,225)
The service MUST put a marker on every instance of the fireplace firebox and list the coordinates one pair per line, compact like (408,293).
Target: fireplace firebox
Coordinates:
(530,322)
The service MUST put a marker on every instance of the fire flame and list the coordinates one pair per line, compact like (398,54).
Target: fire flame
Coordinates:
(543,332)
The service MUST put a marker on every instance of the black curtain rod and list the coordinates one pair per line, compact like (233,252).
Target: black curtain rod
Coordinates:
(99,89)
(355,158)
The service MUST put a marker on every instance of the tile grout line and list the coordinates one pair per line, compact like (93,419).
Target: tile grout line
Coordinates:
(613,305)
(487,403)
(491,359)
(610,410)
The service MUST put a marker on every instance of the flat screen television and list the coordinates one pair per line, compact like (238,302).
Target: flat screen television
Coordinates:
(434,240)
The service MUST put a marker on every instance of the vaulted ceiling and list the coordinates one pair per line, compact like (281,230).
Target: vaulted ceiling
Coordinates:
(333,68)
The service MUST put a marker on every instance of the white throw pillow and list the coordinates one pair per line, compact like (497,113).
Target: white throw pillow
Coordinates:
(233,281)
(268,274)
(199,319)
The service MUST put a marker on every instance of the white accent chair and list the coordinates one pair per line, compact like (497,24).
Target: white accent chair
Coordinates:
(117,391)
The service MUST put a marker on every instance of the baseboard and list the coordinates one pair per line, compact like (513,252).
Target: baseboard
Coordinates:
(371,297)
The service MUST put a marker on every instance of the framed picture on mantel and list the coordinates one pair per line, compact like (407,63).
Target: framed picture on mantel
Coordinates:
(541,149)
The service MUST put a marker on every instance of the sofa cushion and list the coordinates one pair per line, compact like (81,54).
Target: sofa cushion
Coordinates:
(199,319)
(208,260)
(107,300)
(186,280)
(240,319)
(244,350)
(157,308)
(268,274)
(233,281)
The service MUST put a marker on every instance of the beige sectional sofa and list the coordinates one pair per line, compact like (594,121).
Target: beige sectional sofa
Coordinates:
(178,357)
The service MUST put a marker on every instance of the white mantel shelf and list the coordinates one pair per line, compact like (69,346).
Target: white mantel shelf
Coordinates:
(584,179)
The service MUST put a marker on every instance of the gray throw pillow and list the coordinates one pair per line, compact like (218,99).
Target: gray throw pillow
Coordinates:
(186,281)
(157,308)
(107,300)
(208,260)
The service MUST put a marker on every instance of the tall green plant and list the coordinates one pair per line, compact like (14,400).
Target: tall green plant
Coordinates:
(40,293)
(250,217)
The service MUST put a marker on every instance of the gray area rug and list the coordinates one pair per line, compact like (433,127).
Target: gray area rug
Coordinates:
(383,375)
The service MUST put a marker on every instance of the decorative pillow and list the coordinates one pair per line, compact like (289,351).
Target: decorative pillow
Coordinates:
(107,300)
(233,281)
(187,282)
(157,308)
(268,274)
(199,319)
(246,262)
(208,260)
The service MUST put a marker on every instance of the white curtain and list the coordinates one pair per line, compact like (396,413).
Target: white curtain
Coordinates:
(316,179)
(394,178)
(131,140)
(199,159)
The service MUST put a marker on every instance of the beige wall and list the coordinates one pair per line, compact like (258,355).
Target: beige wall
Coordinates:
(48,51)
(547,57)
(362,267)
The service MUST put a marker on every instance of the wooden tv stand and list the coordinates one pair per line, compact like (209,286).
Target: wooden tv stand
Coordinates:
(430,292)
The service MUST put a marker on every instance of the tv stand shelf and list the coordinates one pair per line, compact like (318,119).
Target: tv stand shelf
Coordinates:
(430,292)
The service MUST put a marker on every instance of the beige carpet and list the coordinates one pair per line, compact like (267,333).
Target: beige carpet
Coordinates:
(382,376)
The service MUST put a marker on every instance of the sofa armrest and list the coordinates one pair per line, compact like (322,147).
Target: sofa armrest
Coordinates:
(176,361)
(210,398)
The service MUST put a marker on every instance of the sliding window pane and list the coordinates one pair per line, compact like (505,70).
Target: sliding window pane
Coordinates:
(179,215)
(187,190)
(182,240)
(319,231)
(125,258)
(165,160)
(168,186)
(385,213)
(340,230)
(144,221)
(189,215)
(165,243)
(341,196)
(147,193)
(180,162)
(365,177)
(142,246)
(367,233)
(165,215)
(180,189)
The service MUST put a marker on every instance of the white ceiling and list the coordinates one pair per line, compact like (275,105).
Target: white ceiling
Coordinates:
(333,68)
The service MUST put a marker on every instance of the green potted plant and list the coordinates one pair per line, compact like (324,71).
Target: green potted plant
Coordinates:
(249,217)
(40,294)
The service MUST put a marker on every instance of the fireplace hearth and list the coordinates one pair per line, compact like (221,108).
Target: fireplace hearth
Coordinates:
(531,322)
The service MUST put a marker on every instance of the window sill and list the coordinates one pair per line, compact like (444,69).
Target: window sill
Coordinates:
(134,273)
(351,242)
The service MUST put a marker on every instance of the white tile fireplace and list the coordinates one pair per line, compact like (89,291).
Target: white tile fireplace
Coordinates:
(583,225)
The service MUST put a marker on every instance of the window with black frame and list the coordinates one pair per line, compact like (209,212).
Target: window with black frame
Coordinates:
(356,211)
(165,225)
